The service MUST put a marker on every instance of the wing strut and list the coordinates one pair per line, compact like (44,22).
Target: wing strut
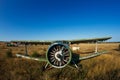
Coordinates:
(96,46)
(26,51)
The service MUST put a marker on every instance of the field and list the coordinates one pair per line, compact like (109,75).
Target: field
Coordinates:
(104,67)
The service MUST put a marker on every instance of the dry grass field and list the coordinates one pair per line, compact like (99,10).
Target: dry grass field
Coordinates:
(104,67)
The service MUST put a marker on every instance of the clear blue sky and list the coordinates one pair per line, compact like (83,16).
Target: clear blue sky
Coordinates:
(59,19)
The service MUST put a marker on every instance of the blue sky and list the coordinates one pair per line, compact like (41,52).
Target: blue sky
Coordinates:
(59,19)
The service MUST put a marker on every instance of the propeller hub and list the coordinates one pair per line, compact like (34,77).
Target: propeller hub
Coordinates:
(58,55)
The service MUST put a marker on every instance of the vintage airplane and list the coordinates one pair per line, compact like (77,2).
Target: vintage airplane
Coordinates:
(59,53)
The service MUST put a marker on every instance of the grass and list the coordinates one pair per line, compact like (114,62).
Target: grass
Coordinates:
(9,54)
(35,54)
(104,67)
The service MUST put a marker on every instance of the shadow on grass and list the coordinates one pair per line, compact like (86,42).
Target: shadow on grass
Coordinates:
(116,49)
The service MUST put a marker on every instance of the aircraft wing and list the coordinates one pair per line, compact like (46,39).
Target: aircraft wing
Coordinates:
(93,55)
(71,41)
(32,58)
(89,40)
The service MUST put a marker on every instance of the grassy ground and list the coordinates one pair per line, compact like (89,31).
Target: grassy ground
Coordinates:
(104,67)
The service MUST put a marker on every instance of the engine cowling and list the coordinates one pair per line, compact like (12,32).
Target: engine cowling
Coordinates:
(59,55)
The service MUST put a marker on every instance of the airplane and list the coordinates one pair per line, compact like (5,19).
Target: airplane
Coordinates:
(59,54)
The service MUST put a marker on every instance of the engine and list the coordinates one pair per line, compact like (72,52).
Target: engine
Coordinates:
(59,55)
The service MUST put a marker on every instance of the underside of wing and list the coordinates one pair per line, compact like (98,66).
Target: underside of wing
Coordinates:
(89,40)
(31,42)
